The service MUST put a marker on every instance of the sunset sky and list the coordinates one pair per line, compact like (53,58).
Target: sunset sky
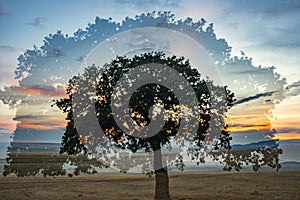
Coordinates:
(266,31)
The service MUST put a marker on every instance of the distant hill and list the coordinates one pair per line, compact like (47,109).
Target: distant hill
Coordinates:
(290,165)
(256,145)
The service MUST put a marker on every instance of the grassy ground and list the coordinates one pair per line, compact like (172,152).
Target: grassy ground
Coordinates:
(221,185)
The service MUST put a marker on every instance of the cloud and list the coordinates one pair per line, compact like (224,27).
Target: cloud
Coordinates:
(38,22)
(6,75)
(288,130)
(80,58)
(286,44)
(38,90)
(286,136)
(4,12)
(150,3)
(282,39)
(266,8)
(270,24)
(10,49)
(44,125)
(253,71)
(55,53)
(7,126)
(250,98)
(250,125)
(294,85)
(293,89)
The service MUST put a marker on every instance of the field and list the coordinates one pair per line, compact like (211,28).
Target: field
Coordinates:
(206,185)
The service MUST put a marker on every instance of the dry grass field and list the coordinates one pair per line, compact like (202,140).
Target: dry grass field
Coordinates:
(206,185)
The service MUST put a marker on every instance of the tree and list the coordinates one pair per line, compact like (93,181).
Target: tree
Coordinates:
(140,103)
(102,88)
(44,67)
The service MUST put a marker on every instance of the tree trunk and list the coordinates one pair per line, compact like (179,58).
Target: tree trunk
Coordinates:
(161,178)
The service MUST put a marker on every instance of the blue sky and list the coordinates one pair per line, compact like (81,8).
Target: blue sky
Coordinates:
(267,31)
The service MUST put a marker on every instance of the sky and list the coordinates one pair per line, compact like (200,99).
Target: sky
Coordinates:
(266,31)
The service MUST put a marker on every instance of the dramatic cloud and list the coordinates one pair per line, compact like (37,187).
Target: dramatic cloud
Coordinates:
(244,100)
(286,136)
(294,85)
(58,59)
(38,22)
(6,126)
(269,25)
(39,90)
(50,125)
(293,89)
(268,8)
(251,125)
(147,3)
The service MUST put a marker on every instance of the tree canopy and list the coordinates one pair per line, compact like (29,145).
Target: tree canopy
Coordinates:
(97,86)
(141,102)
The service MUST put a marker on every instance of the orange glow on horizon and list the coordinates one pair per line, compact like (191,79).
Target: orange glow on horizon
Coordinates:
(32,91)
(56,124)
(249,128)
(286,136)
(7,126)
